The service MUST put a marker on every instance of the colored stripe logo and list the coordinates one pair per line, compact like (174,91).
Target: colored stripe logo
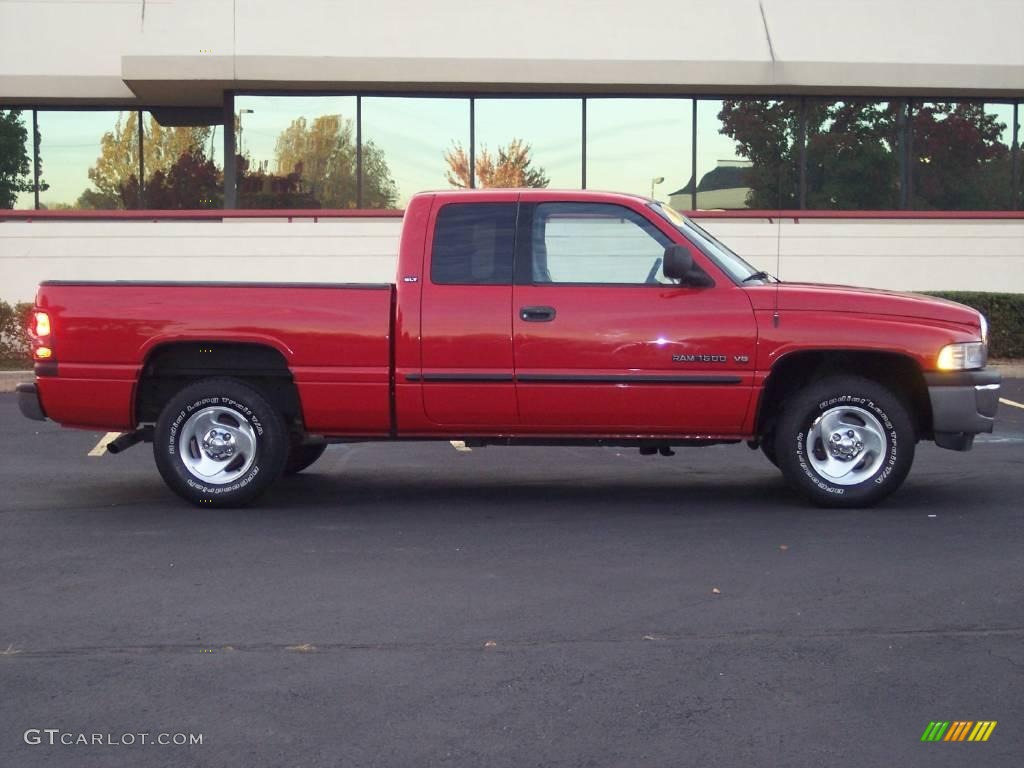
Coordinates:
(959,730)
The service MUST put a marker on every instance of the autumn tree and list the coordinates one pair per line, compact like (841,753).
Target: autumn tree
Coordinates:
(15,165)
(322,153)
(117,168)
(512,167)
(959,160)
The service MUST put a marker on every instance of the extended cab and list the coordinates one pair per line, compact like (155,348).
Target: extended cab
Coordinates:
(518,317)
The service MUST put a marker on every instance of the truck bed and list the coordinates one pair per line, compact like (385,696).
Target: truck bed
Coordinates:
(335,339)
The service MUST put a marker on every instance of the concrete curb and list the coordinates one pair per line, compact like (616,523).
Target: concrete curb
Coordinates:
(8,379)
(1011,369)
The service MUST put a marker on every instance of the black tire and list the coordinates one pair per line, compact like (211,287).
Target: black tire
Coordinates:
(302,456)
(860,409)
(234,408)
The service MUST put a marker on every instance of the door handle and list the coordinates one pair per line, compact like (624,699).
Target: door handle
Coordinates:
(537,314)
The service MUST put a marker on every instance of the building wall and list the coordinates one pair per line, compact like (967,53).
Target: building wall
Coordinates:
(188,51)
(901,254)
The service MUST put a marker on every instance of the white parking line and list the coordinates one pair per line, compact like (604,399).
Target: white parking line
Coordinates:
(460,446)
(1014,403)
(101,446)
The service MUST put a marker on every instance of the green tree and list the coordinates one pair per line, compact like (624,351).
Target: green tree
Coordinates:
(852,159)
(511,168)
(91,200)
(764,132)
(15,160)
(322,154)
(192,182)
(958,160)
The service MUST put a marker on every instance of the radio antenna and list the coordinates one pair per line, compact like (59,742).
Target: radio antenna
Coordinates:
(778,248)
(778,231)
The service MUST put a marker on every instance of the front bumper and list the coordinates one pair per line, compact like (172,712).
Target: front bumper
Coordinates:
(29,403)
(964,404)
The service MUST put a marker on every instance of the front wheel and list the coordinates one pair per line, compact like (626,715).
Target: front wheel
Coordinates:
(219,443)
(845,442)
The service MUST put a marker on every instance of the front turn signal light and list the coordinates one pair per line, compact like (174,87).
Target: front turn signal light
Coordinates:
(43,353)
(963,357)
(42,325)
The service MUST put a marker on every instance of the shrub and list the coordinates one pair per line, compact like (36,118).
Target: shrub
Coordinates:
(14,342)
(1005,313)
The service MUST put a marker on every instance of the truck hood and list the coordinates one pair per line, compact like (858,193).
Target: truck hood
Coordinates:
(841,298)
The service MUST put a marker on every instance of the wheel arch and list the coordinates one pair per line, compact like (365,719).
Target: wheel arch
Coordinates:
(170,366)
(900,373)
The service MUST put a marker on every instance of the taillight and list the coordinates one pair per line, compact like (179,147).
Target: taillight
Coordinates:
(42,324)
(42,347)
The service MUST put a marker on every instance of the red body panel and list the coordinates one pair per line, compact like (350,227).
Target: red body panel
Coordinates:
(467,329)
(609,332)
(616,361)
(335,341)
(835,317)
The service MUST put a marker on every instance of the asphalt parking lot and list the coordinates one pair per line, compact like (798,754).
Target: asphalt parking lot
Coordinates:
(414,605)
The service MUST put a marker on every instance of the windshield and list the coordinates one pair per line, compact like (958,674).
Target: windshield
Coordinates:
(715,250)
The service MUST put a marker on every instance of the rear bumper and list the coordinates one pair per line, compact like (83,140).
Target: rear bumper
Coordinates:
(29,403)
(964,404)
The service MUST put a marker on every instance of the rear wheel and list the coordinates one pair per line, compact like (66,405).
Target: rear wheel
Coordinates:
(845,442)
(302,456)
(219,443)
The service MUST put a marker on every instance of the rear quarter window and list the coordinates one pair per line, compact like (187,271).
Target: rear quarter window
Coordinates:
(474,244)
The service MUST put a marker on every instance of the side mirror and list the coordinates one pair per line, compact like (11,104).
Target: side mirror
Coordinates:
(678,262)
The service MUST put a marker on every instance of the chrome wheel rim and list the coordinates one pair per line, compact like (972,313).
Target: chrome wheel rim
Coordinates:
(846,445)
(217,445)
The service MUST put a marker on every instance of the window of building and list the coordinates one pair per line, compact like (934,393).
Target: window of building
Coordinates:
(960,156)
(748,153)
(298,152)
(595,243)
(182,166)
(852,155)
(1019,157)
(408,147)
(16,180)
(642,146)
(87,159)
(473,244)
(528,143)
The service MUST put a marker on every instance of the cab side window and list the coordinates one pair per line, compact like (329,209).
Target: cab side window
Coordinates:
(595,243)
(474,244)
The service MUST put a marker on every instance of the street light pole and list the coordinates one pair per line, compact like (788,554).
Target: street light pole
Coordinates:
(240,113)
(654,181)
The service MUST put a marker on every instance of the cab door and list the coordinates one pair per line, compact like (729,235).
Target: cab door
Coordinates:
(466,315)
(605,343)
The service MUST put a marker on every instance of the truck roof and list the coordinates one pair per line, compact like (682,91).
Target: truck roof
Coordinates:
(538,195)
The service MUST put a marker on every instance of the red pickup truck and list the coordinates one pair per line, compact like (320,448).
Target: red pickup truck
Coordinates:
(518,317)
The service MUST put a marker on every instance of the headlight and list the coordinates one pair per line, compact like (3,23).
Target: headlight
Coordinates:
(962,357)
